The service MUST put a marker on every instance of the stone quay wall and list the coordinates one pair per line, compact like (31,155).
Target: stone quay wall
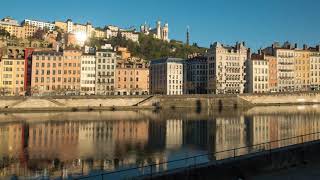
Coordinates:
(75,103)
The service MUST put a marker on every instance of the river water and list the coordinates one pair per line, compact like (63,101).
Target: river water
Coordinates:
(51,145)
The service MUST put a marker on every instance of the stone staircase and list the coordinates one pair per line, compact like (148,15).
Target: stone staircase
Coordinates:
(144,101)
(55,102)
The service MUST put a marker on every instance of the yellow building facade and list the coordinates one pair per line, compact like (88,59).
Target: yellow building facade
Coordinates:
(302,70)
(12,75)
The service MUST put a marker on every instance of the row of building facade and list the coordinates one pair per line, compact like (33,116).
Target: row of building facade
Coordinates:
(71,72)
(234,70)
(222,70)
(28,27)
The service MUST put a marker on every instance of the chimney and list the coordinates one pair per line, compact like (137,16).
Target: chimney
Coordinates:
(295,45)
(249,53)
(318,48)
(259,52)
(305,47)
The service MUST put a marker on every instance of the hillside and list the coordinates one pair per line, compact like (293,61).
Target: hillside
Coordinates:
(149,47)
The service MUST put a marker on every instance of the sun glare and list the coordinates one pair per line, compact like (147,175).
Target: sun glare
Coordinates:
(81,37)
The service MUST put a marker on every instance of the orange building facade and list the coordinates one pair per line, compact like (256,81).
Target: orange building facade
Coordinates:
(56,72)
(272,80)
(302,70)
(132,77)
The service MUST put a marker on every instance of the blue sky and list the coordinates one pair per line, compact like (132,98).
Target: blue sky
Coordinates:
(258,22)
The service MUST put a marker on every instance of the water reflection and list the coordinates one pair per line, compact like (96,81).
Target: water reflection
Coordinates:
(62,144)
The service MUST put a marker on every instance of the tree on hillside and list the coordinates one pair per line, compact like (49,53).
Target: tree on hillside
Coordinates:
(149,47)
(95,42)
(59,36)
(39,34)
(4,33)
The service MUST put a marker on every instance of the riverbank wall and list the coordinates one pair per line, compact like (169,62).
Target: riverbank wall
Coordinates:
(200,102)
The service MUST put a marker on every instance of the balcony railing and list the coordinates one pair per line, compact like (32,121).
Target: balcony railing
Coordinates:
(204,159)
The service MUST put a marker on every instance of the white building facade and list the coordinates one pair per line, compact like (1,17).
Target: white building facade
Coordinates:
(226,68)
(258,75)
(129,34)
(285,69)
(166,76)
(105,72)
(88,74)
(39,24)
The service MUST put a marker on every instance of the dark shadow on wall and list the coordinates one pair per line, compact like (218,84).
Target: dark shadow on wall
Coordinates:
(198,106)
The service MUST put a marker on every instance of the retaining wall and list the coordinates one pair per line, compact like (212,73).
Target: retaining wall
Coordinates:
(158,101)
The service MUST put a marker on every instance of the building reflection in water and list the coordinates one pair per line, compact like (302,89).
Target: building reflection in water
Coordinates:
(79,143)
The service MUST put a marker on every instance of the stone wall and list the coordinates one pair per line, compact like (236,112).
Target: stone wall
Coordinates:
(141,102)
(68,102)
(282,98)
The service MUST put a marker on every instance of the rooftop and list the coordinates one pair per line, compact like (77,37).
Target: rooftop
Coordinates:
(166,60)
(47,53)
(105,50)
(37,21)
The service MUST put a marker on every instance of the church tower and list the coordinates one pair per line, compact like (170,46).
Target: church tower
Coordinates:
(165,32)
(158,29)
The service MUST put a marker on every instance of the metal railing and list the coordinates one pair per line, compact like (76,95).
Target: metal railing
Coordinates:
(152,170)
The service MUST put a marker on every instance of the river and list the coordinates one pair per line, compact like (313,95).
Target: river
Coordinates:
(68,144)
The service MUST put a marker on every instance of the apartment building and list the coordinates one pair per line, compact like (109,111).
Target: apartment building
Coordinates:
(72,71)
(195,75)
(129,34)
(29,31)
(39,24)
(292,67)
(86,30)
(273,75)
(132,77)
(12,26)
(105,72)
(12,76)
(257,74)
(302,69)
(285,69)
(56,72)
(88,74)
(226,68)
(166,76)
(315,68)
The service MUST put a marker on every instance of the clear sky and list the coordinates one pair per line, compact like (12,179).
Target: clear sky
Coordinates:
(258,22)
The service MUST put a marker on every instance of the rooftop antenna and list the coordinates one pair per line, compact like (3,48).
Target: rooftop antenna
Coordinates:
(188,36)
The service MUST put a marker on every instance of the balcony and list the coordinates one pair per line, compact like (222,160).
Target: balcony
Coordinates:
(285,56)
(286,78)
(106,83)
(286,63)
(105,75)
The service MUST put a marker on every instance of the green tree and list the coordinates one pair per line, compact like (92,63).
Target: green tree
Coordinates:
(59,36)
(39,34)
(4,33)
(149,47)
